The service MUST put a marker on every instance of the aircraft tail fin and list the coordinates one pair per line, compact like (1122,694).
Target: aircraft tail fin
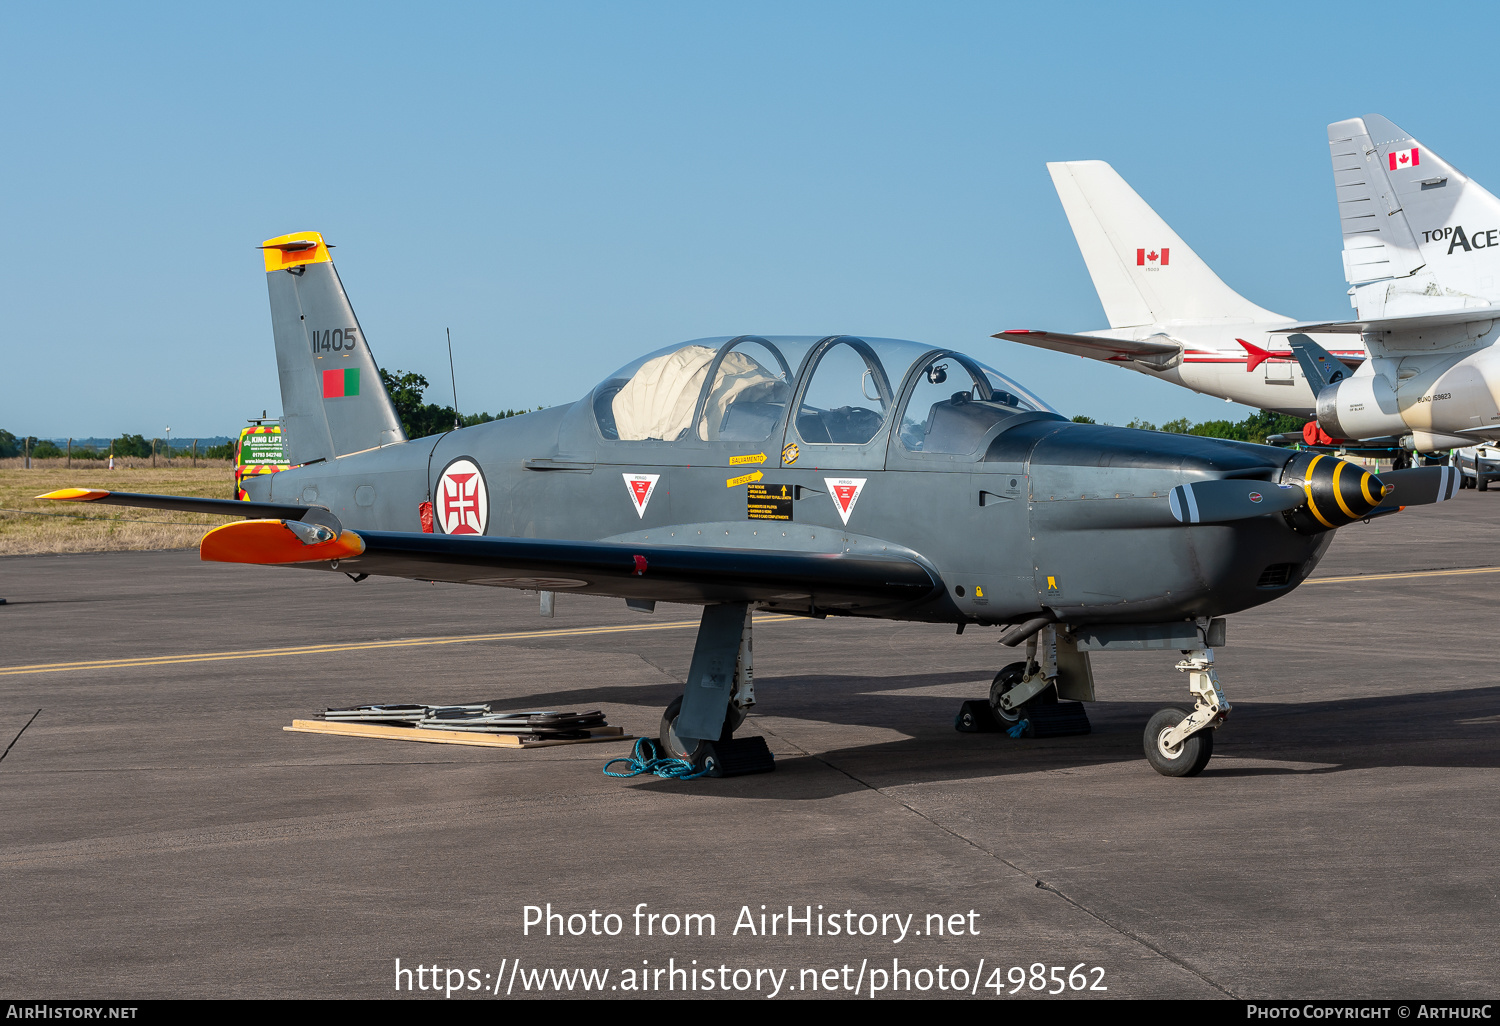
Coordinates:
(1412,222)
(332,400)
(1143,271)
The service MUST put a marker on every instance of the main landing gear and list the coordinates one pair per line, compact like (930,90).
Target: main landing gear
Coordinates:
(699,725)
(693,749)
(1015,694)
(1040,697)
(1180,744)
(1024,696)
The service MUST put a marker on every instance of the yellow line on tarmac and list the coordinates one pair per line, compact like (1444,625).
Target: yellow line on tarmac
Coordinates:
(353,646)
(1414,573)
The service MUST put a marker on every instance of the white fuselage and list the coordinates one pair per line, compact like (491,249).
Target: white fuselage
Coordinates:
(1433,396)
(1214,363)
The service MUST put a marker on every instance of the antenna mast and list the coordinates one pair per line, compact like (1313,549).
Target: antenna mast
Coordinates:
(454,378)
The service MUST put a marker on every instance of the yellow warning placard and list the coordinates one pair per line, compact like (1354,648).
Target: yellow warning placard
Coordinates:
(739,461)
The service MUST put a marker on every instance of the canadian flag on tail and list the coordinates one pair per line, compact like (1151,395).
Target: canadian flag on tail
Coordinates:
(1152,259)
(1405,158)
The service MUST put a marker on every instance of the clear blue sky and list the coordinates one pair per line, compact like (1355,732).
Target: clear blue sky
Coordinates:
(567,185)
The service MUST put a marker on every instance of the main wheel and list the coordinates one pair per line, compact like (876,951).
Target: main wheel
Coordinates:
(1008,678)
(1186,759)
(676,748)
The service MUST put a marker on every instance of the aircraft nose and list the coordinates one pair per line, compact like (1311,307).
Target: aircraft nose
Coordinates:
(1337,492)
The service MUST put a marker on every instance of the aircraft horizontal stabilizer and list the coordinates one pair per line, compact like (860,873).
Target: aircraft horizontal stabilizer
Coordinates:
(1415,322)
(1109,349)
(1318,365)
(1215,502)
(671,574)
(183,503)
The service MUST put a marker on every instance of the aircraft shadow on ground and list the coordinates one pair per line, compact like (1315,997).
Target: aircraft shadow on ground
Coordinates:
(1439,729)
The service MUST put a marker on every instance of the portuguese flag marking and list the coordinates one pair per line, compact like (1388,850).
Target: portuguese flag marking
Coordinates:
(341,382)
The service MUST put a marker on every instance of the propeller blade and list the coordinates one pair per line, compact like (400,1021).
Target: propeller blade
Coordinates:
(1214,502)
(1419,486)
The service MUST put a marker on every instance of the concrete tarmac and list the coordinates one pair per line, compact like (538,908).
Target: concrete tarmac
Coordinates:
(161,835)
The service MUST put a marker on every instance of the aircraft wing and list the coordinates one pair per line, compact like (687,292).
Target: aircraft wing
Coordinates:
(183,503)
(678,573)
(1110,349)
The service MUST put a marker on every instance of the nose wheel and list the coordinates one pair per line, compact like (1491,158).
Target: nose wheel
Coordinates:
(1179,744)
(1186,758)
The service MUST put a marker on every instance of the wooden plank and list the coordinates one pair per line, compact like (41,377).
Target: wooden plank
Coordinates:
(450,737)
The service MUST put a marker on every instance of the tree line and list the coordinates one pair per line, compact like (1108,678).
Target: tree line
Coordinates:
(407,391)
(1254,428)
(420,419)
(125,445)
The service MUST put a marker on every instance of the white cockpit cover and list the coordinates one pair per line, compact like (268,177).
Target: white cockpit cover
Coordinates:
(658,400)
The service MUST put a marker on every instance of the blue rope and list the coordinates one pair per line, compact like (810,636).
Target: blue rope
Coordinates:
(643,759)
(1019,728)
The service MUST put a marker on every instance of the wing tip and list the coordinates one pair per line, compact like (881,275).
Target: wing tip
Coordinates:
(74,494)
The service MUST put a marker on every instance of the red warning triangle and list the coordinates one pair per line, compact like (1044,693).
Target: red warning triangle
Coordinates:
(845,492)
(641,486)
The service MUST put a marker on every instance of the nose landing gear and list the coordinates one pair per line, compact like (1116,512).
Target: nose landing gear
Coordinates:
(1180,744)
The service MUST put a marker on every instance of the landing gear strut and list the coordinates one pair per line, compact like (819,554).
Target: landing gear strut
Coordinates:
(1180,744)
(720,686)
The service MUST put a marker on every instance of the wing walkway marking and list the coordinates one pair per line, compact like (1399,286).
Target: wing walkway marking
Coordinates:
(355,646)
(1412,573)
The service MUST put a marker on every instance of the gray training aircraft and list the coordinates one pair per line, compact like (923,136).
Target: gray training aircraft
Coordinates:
(819,476)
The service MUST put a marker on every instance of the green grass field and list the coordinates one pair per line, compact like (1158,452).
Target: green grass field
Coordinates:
(43,526)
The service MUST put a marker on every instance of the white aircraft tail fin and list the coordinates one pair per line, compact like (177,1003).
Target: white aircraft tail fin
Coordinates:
(1411,221)
(1143,271)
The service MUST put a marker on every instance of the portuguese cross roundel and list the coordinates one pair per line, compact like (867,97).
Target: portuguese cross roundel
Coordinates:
(461,504)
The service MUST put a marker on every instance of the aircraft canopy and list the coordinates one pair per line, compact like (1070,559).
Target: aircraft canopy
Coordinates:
(738,389)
